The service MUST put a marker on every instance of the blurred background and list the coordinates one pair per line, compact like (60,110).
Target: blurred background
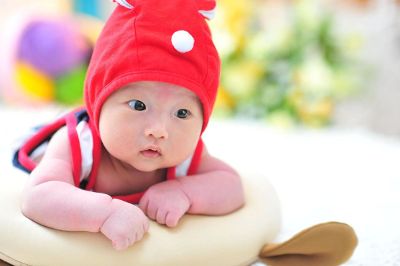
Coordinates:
(324,71)
(287,63)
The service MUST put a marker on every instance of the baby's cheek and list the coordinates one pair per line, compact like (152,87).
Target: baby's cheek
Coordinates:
(182,150)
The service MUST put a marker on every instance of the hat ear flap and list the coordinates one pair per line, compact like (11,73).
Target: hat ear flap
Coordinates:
(207,8)
(124,3)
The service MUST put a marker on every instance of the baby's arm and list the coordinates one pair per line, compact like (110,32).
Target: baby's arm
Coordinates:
(51,199)
(215,190)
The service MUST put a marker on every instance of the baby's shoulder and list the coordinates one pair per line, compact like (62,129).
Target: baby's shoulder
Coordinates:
(56,163)
(59,145)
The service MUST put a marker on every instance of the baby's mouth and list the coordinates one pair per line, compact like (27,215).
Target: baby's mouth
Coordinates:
(151,152)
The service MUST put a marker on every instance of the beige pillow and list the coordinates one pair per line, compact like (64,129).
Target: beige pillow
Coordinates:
(234,239)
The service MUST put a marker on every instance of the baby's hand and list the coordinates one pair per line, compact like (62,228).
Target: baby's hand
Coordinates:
(165,203)
(125,225)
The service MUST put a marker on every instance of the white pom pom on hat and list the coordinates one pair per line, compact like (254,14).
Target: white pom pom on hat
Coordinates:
(182,41)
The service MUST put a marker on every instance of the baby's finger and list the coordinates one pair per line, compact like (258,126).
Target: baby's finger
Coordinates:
(138,236)
(152,211)
(172,219)
(144,204)
(161,216)
(121,244)
(145,224)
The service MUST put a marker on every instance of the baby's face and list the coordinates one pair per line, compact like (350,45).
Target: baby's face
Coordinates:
(151,125)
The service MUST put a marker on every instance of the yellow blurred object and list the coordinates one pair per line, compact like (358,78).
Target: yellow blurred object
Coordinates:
(316,113)
(234,17)
(311,111)
(90,27)
(282,119)
(224,100)
(315,76)
(242,77)
(34,84)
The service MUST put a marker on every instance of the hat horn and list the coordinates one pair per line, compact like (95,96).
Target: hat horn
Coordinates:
(207,8)
(124,3)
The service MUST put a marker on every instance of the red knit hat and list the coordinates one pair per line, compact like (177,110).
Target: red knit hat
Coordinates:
(152,40)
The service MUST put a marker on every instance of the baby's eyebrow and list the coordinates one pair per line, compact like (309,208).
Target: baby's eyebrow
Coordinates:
(193,98)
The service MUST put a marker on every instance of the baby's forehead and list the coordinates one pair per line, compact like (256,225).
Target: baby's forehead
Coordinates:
(157,87)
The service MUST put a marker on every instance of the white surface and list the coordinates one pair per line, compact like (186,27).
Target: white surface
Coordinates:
(344,175)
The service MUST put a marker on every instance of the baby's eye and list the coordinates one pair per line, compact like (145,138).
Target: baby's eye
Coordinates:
(137,105)
(183,113)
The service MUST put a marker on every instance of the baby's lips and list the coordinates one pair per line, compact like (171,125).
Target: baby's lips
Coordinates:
(150,153)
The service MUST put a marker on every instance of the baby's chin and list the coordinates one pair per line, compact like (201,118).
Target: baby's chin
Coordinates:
(147,168)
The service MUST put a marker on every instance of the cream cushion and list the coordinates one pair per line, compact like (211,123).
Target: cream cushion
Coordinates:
(234,239)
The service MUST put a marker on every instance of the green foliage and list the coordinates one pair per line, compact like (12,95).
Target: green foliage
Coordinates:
(288,73)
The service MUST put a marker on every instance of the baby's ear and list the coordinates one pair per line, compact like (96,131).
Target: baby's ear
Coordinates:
(207,8)
(126,3)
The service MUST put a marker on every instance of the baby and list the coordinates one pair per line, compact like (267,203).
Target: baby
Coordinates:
(135,151)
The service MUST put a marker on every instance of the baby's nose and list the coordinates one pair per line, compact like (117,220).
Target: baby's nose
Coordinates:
(156,130)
